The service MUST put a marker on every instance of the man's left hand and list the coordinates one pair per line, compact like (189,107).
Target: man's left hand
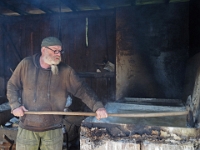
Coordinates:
(101,113)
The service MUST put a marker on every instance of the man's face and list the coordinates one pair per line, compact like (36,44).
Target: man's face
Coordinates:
(52,55)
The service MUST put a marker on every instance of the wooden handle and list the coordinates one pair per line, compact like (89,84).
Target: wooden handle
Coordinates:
(136,115)
(60,113)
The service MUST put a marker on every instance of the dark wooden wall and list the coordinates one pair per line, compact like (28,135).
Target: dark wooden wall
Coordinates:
(152,44)
(194,27)
(21,36)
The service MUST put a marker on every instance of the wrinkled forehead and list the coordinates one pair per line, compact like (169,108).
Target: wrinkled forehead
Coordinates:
(55,47)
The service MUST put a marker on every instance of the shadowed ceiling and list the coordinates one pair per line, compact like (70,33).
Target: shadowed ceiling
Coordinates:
(31,7)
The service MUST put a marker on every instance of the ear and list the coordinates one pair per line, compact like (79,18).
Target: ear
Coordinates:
(42,50)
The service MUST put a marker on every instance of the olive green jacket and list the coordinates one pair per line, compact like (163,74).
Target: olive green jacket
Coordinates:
(39,90)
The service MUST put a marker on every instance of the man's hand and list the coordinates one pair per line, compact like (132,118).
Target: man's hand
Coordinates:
(19,111)
(101,113)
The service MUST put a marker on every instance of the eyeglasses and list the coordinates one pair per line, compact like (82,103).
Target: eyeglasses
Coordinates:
(56,51)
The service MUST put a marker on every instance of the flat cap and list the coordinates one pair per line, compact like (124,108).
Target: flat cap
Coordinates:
(50,41)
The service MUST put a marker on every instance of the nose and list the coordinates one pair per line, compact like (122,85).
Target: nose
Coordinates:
(58,54)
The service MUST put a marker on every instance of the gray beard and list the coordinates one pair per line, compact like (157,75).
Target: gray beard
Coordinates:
(54,69)
(47,59)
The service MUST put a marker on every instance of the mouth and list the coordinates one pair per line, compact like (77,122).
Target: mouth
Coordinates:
(57,58)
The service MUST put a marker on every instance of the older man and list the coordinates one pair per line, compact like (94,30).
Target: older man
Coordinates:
(43,83)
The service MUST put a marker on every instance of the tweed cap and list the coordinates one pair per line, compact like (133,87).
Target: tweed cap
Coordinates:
(50,41)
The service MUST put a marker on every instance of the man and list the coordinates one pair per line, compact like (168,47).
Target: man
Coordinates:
(43,83)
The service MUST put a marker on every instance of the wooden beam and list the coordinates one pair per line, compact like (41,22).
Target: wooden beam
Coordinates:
(146,2)
(10,7)
(39,6)
(100,4)
(90,13)
(70,5)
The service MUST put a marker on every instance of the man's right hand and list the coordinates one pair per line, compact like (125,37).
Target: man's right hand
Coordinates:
(19,111)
